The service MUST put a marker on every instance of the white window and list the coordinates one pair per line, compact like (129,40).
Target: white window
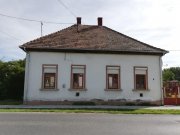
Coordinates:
(49,76)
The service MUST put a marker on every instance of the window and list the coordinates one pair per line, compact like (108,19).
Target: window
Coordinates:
(49,80)
(113,77)
(140,78)
(78,76)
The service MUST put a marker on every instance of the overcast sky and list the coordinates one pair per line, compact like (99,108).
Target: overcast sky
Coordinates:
(155,22)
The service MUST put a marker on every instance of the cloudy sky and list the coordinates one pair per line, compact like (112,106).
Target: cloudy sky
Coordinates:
(155,22)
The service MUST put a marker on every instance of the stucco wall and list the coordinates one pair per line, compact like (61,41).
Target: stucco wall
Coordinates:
(95,76)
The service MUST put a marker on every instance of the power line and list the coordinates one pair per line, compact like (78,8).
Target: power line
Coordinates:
(174,50)
(32,20)
(66,7)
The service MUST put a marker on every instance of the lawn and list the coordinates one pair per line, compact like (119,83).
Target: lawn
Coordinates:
(110,111)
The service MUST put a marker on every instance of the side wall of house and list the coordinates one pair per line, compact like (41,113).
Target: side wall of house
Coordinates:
(95,77)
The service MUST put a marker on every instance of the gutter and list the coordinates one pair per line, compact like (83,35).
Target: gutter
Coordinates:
(98,51)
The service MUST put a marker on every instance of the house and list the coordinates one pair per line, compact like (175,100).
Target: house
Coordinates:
(92,63)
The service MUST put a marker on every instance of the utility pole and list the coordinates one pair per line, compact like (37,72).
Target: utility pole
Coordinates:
(41,27)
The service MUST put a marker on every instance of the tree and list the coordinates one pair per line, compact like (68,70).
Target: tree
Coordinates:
(12,79)
(176,71)
(168,75)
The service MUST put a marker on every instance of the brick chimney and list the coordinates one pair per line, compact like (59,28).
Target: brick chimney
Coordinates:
(100,21)
(78,20)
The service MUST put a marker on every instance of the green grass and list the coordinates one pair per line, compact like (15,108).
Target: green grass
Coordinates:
(109,111)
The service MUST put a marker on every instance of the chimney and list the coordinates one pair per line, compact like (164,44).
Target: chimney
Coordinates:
(78,20)
(100,21)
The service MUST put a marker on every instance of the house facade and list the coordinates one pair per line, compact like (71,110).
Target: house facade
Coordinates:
(92,63)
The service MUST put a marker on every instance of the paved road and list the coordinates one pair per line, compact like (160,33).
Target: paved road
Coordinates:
(88,124)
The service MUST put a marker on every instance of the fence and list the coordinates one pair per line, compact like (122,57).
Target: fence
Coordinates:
(171,91)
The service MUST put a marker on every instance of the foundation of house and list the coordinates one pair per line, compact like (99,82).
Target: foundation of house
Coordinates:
(97,102)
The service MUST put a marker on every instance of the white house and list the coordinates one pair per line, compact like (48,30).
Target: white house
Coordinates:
(92,63)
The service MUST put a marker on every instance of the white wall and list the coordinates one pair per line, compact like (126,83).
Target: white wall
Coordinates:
(95,76)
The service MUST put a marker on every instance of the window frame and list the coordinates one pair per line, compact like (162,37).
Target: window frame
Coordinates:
(107,78)
(43,76)
(83,80)
(146,78)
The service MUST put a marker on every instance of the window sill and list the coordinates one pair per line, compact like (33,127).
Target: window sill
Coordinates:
(140,90)
(113,90)
(42,89)
(71,89)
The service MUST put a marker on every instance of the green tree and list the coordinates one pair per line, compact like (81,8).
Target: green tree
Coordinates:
(176,71)
(12,79)
(168,75)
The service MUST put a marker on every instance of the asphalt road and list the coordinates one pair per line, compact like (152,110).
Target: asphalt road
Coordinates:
(88,124)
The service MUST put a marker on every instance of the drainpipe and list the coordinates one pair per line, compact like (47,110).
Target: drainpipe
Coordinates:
(161,81)
(26,84)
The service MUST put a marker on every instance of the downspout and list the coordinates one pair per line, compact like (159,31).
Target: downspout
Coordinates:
(26,84)
(161,82)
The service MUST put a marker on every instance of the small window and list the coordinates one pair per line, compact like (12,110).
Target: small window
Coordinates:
(140,78)
(78,77)
(49,77)
(113,77)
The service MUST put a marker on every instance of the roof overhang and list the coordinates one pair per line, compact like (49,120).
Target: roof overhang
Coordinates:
(100,51)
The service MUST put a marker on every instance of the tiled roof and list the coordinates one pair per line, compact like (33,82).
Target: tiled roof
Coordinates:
(90,38)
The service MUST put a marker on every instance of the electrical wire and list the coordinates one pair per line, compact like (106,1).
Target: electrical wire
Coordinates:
(60,1)
(32,20)
(174,50)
